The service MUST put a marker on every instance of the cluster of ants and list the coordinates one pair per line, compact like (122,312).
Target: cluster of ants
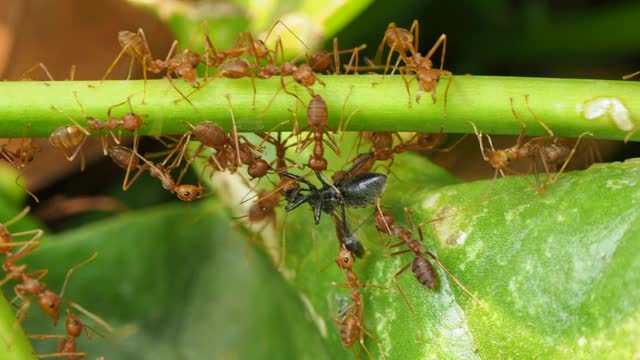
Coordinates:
(357,187)
(29,286)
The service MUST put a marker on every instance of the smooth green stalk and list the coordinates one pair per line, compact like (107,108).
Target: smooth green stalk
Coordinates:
(372,104)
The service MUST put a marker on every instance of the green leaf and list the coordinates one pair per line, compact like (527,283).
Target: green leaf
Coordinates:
(173,289)
(556,273)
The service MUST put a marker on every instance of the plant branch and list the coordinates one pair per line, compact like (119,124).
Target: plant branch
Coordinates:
(383,107)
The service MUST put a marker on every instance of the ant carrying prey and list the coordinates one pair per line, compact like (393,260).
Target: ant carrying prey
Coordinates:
(351,190)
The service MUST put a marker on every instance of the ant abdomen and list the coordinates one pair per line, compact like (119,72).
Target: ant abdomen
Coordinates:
(317,111)
(363,190)
(210,134)
(122,156)
(424,272)
(349,330)
(66,137)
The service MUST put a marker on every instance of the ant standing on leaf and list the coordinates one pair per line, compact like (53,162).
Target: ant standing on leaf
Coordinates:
(352,325)
(420,266)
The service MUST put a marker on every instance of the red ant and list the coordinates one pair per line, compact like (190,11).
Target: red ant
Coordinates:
(122,155)
(20,157)
(136,45)
(547,149)
(67,346)
(317,117)
(129,122)
(230,154)
(402,41)
(399,40)
(421,267)
(30,284)
(352,326)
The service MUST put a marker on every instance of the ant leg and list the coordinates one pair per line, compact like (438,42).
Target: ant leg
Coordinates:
(378,56)
(524,126)
(479,136)
(632,75)
(415,29)
(69,355)
(34,67)
(453,277)
(113,64)
(364,331)
(526,101)
(234,129)
(185,97)
(92,316)
(406,301)
(186,166)
(76,267)
(442,40)
(446,93)
(18,217)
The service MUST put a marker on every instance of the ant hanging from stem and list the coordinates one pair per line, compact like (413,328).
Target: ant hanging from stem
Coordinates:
(546,149)
(121,155)
(67,346)
(317,115)
(21,157)
(30,284)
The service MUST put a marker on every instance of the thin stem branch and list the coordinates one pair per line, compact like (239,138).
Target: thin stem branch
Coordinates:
(381,106)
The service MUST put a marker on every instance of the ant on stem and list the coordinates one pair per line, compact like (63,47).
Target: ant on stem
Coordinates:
(547,149)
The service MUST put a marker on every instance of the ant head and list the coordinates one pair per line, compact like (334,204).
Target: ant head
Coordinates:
(73,325)
(186,73)
(398,37)
(318,164)
(125,37)
(344,259)
(189,192)
(131,121)
(191,57)
(320,60)
(305,76)
(500,159)
(384,221)
(50,303)
(258,168)
(261,48)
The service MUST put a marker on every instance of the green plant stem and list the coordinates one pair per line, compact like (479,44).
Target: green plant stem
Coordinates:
(383,107)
